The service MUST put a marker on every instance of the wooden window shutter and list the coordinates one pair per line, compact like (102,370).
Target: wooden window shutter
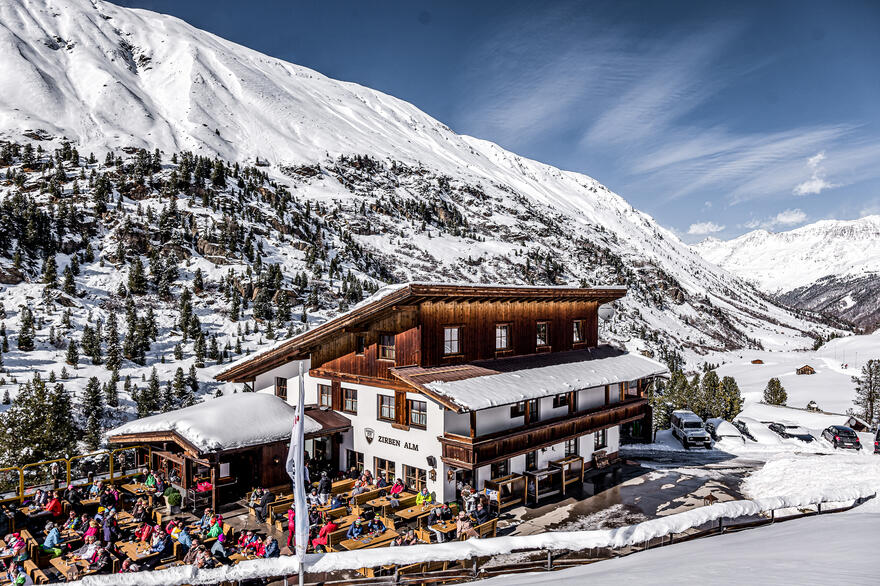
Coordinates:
(400,413)
(336,395)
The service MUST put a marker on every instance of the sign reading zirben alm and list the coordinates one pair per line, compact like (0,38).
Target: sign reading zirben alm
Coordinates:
(396,442)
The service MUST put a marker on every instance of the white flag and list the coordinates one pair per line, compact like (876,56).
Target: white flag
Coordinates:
(298,474)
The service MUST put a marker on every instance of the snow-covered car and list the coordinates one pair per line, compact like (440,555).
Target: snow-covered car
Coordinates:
(790,430)
(758,431)
(743,429)
(690,430)
(721,429)
(842,437)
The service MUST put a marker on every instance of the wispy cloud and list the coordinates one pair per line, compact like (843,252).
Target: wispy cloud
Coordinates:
(784,219)
(704,228)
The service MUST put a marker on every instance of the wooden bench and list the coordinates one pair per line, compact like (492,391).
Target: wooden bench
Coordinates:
(341,486)
(335,538)
(366,496)
(278,507)
(36,574)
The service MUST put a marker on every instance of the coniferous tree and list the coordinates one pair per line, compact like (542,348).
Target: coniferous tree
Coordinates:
(69,285)
(168,403)
(61,422)
(192,380)
(178,351)
(114,352)
(26,331)
(153,392)
(709,401)
(182,390)
(137,280)
(867,398)
(50,271)
(93,414)
(198,281)
(731,398)
(774,393)
(111,391)
(6,400)
(199,348)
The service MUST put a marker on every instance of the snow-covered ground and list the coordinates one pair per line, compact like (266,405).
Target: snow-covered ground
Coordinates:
(831,549)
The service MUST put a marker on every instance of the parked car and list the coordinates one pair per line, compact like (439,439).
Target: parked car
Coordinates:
(690,429)
(790,430)
(842,437)
(877,442)
(721,429)
(743,429)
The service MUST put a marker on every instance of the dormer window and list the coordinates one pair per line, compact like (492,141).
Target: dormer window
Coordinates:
(542,334)
(386,347)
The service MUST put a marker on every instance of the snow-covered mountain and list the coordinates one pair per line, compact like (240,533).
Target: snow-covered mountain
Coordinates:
(340,186)
(831,265)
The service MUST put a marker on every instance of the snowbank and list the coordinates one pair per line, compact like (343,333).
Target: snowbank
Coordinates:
(460,550)
(824,476)
(224,423)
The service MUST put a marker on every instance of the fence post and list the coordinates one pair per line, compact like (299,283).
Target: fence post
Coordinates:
(772,516)
(720,525)
(476,568)
(549,561)
(819,508)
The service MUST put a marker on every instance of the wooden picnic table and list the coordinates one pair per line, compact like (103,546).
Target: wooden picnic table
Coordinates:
(240,557)
(385,501)
(136,551)
(444,527)
(417,511)
(369,541)
(70,568)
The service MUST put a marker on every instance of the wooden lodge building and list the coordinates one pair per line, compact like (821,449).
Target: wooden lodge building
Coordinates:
(449,384)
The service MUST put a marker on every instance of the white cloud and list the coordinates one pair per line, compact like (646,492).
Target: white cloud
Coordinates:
(704,228)
(784,218)
(816,183)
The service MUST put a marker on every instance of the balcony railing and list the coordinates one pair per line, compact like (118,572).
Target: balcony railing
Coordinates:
(466,452)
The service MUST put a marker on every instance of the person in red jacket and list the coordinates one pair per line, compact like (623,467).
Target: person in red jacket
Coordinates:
(291,525)
(53,507)
(397,488)
(327,528)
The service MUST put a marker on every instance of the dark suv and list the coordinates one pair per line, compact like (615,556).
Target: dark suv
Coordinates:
(841,436)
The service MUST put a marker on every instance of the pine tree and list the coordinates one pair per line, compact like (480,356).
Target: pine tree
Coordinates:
(26,331)
(213,350)
(731,398)
(64,374)
(137,280)
(774,393)
(198,281)
(867,398)
(6,399)
(178,351)
(192,380)
(93,414)
(114,352)
(69,285)
(199,348)
(182,390)
(61,422)
(168,403)
(152,393)
(710,396)
(111,392)
(50,271)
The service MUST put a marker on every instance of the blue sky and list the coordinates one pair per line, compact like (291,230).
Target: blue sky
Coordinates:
(716,118)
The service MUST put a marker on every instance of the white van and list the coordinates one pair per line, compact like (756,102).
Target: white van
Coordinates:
(690,430)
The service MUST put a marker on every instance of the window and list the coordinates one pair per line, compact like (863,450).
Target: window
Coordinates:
(385,468)
(281,387)
(542,337)
(601,440)
(577,331)
(451,340)
(531,461)
(415,478)
(325,396)
(386,408)
(560,401)
(499,469)
(354,460)
(502,337)
(571,447)
(518,410)
(418,413)
(533,410)
(350,401)
(360,344)
(386,347)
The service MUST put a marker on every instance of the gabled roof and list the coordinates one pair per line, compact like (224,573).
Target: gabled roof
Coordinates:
(392,298)
(504,381)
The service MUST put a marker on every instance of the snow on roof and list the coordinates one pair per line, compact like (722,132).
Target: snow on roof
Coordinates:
(228,422)
(505,388)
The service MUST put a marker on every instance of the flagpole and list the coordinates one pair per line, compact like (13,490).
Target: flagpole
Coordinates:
(296,471)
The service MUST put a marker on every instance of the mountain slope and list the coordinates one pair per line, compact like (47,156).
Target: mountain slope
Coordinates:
(831,266)
(389,192)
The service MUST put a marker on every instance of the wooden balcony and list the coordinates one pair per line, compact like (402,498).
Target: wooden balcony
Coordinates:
(470,453)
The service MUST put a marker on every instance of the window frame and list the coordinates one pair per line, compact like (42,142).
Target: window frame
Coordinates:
(571,442)
(531,461)
(420,475)
(410,403)
(360,344)
(546,326)
(357,457)
(507,336)
(345,400)
(281,387)
(390,465)
(457,341)
(597,444)
(518,410)
(578,330)
(379,416)
(560,400)
(387,351)
(325,390)
(499,466)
